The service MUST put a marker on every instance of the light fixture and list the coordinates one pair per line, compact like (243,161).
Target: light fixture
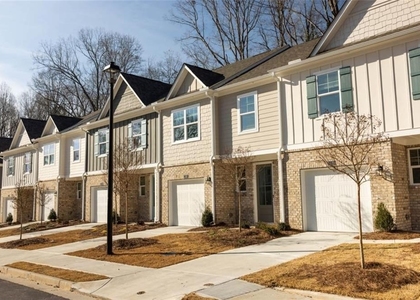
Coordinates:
(113,70)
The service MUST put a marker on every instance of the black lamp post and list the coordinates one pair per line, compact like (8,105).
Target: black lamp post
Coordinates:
(113,71)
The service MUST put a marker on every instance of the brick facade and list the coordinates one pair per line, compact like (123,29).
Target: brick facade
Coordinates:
(11,193)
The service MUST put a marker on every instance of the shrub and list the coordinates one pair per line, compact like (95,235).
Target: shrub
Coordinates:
(9,218)
(207,218)
(283,226)
(52,216)
(383,219)
(271,230)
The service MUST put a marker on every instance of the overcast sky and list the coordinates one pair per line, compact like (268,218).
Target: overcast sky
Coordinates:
(24,24)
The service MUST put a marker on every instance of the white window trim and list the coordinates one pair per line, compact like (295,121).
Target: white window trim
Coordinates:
(30,162)
(321,115)
(73,150)
(140,186)
(238,101)
(106,130)
(8,164)
(49,155)
(184,109)
(410,167)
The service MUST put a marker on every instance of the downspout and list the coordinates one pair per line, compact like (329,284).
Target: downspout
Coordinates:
(84,176)
(210,95)
(158,167)
(58,193)
(35,163)
(280,153)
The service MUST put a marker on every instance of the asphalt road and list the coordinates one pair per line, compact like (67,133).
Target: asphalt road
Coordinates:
(11,291)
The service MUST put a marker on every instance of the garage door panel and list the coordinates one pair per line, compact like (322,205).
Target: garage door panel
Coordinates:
(331,202)
(187,200)
(99,205)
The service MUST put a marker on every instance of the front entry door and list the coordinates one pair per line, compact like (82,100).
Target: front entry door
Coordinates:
(265,193)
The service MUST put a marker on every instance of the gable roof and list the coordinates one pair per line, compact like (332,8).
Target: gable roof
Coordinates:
(206,76)
(4,145)
(93,116)
(148,90)
(63,122)
(33,127)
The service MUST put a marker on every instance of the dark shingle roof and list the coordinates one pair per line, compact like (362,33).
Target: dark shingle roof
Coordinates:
(63,122)
(33,127)
(148,90)
(5,143)
(207,77)
(93,116)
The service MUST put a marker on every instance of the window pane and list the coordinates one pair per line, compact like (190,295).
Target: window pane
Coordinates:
(76,155)
(329,103)
(416,175)
(192,131)
(415,157)
(136,128)
(102,136)
(178,134)
(51,159)
(76,144)
(327,83)
(142,180)
(192,115)
(143,190)
(178,118)
(247,122)
(102,148)
(246,104)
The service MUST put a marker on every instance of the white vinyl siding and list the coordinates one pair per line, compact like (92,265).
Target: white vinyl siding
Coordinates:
(186,124)
(27,163)
(137,134)
(414,165)
(248,112)
(49,154)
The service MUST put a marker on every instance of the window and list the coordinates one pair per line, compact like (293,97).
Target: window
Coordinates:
(247,112)
(49,151)
(414,55)
(27,164)
(142,186)
(414,160)
(185,124)
(76,150)
(101,142)
(329,92)
(241,178)
(79,190)
(11,166)
(137,134)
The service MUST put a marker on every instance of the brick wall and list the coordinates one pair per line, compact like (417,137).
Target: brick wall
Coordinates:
(27,213)
(194,171)
(92,181)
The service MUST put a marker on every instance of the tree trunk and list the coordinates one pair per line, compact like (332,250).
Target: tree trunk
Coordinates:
(362,255)
(126,215)
(21,224)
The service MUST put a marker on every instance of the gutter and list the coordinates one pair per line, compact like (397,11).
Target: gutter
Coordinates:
(84,176)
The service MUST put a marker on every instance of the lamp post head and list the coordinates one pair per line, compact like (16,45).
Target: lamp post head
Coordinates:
(113,71)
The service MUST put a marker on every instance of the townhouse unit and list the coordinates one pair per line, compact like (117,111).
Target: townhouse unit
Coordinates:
(274,104)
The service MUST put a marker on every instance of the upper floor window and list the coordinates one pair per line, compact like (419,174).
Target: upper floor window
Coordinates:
(49,152)
(248,112)
(11,166)
(76,149)
(186,124)
(101,142)
(414,164)
(414,55)
(329,92)
(142,186)
(137,134)
(27,164)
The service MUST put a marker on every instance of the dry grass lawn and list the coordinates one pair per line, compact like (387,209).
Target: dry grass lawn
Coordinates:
(393,272)
(392,235)
(36,227)
(72,236)
(169,249)
(70,275)
(194,296)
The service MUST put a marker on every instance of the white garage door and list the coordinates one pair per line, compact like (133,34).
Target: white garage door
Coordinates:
(49,204)
(187,203)
(8,204)
(330,202)
(99,205)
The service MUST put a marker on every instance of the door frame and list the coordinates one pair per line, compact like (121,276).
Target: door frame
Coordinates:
(255,186)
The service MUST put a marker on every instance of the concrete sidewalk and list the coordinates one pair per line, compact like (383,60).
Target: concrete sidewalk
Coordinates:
(212,276)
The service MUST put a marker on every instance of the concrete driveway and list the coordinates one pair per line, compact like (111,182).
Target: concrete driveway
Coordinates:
(213,275)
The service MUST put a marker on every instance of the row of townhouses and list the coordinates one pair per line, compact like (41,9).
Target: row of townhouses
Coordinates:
(273,103)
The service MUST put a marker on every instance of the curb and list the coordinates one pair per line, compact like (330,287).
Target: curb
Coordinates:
(39,278)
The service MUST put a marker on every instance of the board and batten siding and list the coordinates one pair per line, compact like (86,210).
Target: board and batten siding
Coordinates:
(99,163)
(267,136)
(74,168)
(381,87)
(28,178)
(127,100)
(187,152)
(49,172)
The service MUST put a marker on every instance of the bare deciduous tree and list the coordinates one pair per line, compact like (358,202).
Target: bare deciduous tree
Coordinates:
(9,116)
(235,163)
(164,70)
(127,162)
(70,76)
(22,202)
(42,201)
(348,147)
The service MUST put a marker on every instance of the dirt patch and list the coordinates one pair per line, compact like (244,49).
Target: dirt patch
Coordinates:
(70,275)
(392,235)
(72,236)
(194,296)
(392,272)
(169,249)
